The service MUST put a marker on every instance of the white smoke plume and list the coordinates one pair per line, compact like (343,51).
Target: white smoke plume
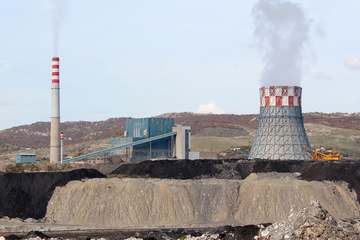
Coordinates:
(58,15)
(282,30)
(352,63)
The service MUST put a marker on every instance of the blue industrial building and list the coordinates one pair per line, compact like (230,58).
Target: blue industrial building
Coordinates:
(25,158)
(148,127)
(148,138)
(142,128)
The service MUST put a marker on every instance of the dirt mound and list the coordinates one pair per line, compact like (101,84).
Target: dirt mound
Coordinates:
(312,222)
(348,171)
(157,202)
(25,195)
(272,175)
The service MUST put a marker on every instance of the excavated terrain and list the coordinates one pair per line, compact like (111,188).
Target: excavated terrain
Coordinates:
(186,194)
(167,202)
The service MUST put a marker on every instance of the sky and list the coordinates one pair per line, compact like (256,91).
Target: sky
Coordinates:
(144,58)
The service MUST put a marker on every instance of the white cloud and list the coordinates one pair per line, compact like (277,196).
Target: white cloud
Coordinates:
(352,63)
(4,66)
(320,75)
(210,108)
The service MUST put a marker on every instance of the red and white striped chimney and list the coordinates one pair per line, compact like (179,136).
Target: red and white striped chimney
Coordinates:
(55,112)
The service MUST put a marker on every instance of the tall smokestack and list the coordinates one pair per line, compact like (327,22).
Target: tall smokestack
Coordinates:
(280,134)
(55,112)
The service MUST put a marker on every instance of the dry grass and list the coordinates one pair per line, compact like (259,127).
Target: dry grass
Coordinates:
(84,148)
(218,139)
(346,141)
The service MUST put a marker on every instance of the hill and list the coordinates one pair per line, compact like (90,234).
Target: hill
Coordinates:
(210,132)
(37,135)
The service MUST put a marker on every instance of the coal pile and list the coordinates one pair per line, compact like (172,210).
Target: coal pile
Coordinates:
(348,171)
(174,169)
(25,195)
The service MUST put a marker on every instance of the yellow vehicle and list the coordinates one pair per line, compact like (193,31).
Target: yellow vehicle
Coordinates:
(316,155)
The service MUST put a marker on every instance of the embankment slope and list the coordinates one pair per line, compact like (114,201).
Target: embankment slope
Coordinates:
(168,202)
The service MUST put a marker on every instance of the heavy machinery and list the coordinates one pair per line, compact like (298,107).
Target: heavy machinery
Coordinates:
(317,155)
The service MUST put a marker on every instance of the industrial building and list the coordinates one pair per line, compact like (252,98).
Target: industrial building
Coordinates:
(149,139)
(25,158)
(174,146)
(280,134)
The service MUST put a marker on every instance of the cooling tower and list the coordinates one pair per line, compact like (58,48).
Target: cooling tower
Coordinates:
(55,112)
(280,134)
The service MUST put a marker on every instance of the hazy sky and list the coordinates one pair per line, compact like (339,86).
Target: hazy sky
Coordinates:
(143,58)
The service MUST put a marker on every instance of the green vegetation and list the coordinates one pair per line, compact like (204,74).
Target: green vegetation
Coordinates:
(182,237)
(18,167)
(222,132)
(34,168)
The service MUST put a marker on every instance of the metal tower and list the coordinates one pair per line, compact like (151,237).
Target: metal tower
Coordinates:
(280,134)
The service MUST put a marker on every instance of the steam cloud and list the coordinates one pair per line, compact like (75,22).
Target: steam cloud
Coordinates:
(59,7)
(282,30)
(210,108)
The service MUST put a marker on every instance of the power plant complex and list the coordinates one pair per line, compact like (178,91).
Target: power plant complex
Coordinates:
(148,139)
(280,134)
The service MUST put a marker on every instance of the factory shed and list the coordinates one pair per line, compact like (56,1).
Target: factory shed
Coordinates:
(25,158)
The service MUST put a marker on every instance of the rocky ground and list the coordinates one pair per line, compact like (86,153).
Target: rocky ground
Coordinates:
(224,232)
(312,222)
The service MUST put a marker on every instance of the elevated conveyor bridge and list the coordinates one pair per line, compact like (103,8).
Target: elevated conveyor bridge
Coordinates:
(139,142)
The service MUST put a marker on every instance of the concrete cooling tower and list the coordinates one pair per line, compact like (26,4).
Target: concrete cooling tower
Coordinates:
(280,134)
